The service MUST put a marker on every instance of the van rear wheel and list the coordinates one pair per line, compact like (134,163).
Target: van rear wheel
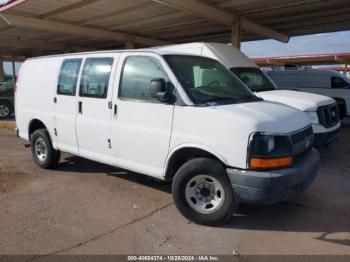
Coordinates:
(43,152)
(203,193)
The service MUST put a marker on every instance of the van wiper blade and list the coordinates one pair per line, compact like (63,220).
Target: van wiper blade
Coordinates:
(221,99)
(250,99)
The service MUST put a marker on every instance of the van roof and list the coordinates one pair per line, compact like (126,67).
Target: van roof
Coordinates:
(311,70)
(229,55)
(318,70)
(149,50)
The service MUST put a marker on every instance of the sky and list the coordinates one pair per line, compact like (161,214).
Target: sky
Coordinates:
(324,43)
(2,2)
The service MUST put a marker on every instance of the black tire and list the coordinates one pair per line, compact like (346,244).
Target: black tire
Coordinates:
(52,156)
(215,169)
(7,107)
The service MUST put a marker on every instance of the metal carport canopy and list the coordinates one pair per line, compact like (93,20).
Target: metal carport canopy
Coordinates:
(36,27)
(316,59)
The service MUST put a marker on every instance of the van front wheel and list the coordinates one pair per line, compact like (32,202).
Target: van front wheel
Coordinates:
(203,193)
(43,152)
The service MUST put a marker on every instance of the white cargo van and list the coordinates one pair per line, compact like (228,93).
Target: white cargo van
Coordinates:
(321,110)
(324,82)
(170,116)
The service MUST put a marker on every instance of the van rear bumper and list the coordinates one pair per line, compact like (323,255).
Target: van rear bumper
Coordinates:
(268,187)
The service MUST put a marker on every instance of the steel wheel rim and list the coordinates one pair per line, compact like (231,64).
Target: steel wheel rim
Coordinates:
(204,193)
(40,149)
(4,110)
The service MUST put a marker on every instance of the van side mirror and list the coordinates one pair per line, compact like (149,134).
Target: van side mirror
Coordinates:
(159,90)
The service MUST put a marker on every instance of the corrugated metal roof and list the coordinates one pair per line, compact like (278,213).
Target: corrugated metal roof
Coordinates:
(315,59)
(151,20)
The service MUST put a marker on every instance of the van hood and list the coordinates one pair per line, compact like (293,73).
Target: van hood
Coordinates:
(300,100)
(265,116)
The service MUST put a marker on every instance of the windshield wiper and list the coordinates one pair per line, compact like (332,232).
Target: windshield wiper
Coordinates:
(221,99)
(250,99)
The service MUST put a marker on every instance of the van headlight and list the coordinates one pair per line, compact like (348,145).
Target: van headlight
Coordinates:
(269,151)
(313,117)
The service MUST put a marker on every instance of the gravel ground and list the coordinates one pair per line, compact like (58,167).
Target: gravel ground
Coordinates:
(84,207)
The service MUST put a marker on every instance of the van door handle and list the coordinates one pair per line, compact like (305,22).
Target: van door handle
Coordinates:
(80,107)
(55,100)
(115,111)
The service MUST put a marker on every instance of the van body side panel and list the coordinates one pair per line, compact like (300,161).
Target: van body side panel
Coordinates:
(21,123)
(212,132)
(287,80)
(35,94)
(313,81)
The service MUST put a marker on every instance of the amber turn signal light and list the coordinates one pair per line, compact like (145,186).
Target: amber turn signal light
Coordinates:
(263,163)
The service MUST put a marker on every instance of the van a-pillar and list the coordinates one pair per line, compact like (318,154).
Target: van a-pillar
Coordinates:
(236,34)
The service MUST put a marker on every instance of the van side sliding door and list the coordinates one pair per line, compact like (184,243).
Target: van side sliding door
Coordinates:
(94,109)
(65,109)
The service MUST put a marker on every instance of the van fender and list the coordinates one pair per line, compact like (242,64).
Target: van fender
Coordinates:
(192,145)
(34,118)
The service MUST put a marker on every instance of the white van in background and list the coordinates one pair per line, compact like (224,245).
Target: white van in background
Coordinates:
(321,110)
(324,82)
(170,116)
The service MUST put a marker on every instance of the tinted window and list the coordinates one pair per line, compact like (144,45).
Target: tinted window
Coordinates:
(254,78)
(67,80)
(138,72)
(95,77)
(337,82)
(206,80)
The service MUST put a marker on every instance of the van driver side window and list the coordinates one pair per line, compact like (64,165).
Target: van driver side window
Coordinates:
(337,82)
(67,80)
(138,71)
(95,77)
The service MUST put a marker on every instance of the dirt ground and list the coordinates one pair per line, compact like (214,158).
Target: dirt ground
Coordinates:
(84,207)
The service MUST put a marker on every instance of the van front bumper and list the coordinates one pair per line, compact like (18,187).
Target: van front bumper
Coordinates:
(268,187)
(327,138)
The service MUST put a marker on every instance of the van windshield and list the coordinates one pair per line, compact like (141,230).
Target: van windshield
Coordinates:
(206,81)
(254,78)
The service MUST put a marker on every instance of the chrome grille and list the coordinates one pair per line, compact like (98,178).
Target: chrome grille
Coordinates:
(300,136)
(328,115)
(302,140)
